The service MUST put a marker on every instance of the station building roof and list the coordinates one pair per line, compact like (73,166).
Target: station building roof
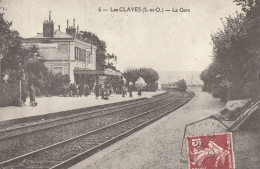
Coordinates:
(107,72)
(57,36)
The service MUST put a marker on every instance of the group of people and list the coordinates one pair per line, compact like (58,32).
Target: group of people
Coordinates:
(130,90)
(84,90)
(106,90)
(79,90)
(103,90)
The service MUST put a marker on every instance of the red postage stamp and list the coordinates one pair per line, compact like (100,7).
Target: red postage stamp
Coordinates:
(214,151)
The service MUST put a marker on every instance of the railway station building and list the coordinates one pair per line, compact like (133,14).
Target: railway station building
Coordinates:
(67,53)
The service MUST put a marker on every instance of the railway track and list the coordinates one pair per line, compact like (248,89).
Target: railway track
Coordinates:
(69,151)
(10,131)
(30,121)
(24,143)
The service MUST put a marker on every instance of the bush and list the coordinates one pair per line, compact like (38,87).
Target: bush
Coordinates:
(216,92)
(237,91)
(250,90)
(9,93)
(56,84)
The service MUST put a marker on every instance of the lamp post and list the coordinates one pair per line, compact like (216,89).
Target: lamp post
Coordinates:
(0,69)
(21,77)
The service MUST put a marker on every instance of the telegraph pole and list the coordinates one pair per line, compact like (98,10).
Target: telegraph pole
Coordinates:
(0,69)
(21,77)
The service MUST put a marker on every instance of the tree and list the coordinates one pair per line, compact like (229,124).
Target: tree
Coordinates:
(250,7)
(15,54)
(236,51)
(131,75)
(110,64)
(101,53)
(35,71)
(10,42)
(101,48)
(150,77)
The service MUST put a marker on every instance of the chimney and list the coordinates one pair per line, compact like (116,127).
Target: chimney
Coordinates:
(71,30)
(59,27)
(48,27)
(67,23)
(78,34)
(49,16)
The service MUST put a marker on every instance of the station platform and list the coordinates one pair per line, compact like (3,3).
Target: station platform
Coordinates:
(48,105)
(157,145)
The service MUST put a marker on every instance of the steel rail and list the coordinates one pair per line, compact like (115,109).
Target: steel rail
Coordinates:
(73,160)
(35,146)
(53,116)
(125,107)
(10,161)
(84,112)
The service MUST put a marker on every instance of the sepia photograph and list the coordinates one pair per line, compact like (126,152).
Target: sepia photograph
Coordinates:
(129,84)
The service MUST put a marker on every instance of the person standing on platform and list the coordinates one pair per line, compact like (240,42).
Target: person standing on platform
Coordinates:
(32,95)
(74,89)
(81,89)
(130,89)
(86,88)
(102,91)
(77,91)
(139,93)
(96,91)
(110,91)
(123,91)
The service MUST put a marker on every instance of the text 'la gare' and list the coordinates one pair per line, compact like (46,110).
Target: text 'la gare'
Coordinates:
(180,10)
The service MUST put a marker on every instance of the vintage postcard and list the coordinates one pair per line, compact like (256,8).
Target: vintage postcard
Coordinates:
(129,84)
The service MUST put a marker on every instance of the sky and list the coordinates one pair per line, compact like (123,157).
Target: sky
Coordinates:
(169,41)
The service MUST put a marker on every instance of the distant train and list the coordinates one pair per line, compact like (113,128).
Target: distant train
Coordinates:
(177,86)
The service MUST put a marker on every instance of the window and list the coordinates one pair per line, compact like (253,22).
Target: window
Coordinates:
(88,57)
(75,53)
(81,55)
(79,59)
(76,50)
(84,56)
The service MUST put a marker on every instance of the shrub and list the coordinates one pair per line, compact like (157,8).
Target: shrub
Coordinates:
(55,84)
(9,93)
(250,90)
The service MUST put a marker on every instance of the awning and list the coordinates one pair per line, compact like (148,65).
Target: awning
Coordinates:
(85,71)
